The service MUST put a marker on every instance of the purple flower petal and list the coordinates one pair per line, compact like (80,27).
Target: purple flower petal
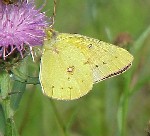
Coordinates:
(20,24)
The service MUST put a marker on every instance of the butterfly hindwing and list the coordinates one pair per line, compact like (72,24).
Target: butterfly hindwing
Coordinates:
(64,73)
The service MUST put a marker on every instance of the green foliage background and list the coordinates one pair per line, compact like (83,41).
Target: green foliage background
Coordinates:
(115,107)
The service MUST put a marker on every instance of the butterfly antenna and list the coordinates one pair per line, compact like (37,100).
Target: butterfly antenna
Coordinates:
(54,14)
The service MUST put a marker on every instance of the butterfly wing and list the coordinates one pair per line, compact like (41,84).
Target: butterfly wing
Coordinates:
(64,73)
(106,60)
(71,63)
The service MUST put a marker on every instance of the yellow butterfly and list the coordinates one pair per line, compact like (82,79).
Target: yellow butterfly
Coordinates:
(72,63)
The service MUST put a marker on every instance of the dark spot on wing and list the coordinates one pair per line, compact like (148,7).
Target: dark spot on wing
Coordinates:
(87,62)
(70,69)
(52,90)
(55,50)
(90,46)
(96,66)
(104,63)
(70,88)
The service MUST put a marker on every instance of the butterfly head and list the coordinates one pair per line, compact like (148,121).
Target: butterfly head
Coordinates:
(50,38)
(51,34)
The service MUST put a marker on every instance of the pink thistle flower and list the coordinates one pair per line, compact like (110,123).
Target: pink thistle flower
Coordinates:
(20,24)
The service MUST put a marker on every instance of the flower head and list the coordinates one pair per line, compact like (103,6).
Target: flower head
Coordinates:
(20,24)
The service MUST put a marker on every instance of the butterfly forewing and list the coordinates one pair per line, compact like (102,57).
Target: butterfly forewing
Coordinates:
(106,60)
